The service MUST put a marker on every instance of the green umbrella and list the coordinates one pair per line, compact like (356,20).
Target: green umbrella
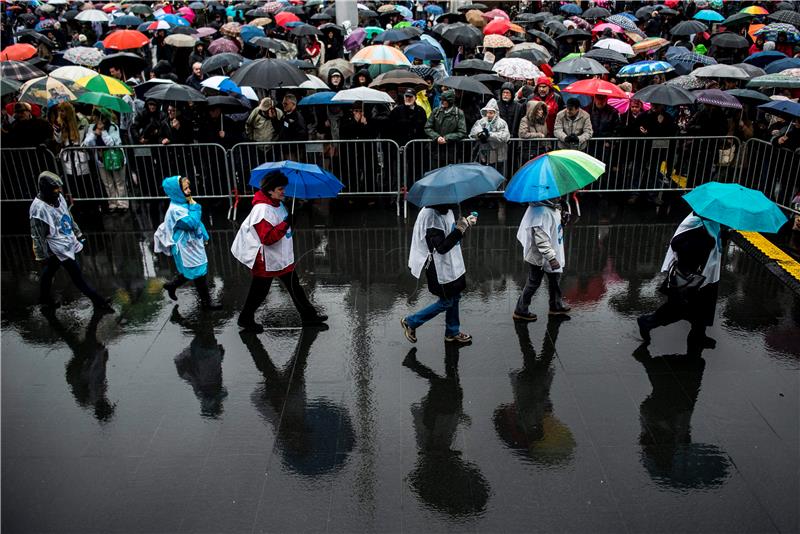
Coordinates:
(8,86)
(105,101)
(372,31)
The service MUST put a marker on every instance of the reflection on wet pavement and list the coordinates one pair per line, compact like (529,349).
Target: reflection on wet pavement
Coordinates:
(165,419)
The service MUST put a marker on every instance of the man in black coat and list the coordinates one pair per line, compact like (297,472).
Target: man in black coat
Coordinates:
(407,122)
(292,126)
(511,111)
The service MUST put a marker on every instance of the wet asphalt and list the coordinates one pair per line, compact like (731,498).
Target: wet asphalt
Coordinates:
(163,418)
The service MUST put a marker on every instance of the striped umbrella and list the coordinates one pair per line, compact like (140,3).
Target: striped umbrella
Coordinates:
(715,97)
(623,22)
(19,70)
(18,52)
(552,175)
(98,83)
(755,10)
(125,40)
(47,91)
(104,100)
(645,68)
(84,55)
(155,25)
(770,32)
(380,55)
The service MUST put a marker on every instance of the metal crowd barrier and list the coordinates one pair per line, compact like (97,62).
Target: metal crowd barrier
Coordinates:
(20,169)
(772,170)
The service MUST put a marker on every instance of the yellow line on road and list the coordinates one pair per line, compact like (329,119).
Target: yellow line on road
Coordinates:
(766,247)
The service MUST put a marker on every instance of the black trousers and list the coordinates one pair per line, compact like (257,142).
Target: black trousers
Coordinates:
(51,266)
(200,284)
(259,288)
(535,275)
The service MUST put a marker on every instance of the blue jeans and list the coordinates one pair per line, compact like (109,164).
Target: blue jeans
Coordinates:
(447,305)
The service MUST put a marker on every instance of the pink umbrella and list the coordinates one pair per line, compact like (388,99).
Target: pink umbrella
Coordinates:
(607,25)
(490,15)
(205,31)
(623,104)
(187,13)
(222,45)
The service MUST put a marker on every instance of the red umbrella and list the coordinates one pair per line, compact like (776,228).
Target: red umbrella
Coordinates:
(594,87)
(284,17)
(125,40)
(18,52)
(494,13)
(497,26)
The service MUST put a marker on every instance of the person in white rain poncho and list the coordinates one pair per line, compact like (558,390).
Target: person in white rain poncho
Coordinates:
(436,247)
(492,133)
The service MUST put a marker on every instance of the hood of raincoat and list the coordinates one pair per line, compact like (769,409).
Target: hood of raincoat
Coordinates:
(366,74)
(48,183)
(510,87)
(331,73)
(449,96)
(491,105)
(172,187)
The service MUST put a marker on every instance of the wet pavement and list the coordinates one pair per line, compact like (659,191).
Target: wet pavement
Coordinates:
(165,419)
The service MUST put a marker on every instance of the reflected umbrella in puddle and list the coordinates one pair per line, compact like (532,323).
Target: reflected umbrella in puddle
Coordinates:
(314,436)
(668,453)
(442,478)
(86,370)
(528,426)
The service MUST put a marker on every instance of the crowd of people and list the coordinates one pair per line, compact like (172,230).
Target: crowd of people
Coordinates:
(484,73)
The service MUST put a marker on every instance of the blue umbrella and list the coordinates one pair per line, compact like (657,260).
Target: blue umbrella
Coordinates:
(323,98)
(782,64)
(453,184)
(708,15)
(645,68)
(127,20)
(782,108)
(403,10)
(306,180)
(248,32)
(762,59)
(174,20)
(422,50)
(737,207)
(684,61)
(434,10)
(572,9)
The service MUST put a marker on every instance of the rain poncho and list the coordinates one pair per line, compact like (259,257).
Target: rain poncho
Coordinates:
(495,148)
(711,270)
(182,235)
(52,228)
(542,219)
(449,266)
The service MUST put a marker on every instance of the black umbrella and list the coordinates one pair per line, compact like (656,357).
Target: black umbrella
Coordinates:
(489,79)
(787,17)
(555,26)
(128,63)
(575,33)
(8,86)
(367,14)
(225,62)
(785,6)
(173,92)
(321,16)
(603,55)
(645,12)
(729,40)
(143,87)
(525,17)
(688,27)
(537,57)
(27,35)
(464,83)
(667,95)
(478,6)
(544,39)
(258,13)
(228,104)
(450,17)
(392,36)
(23,71)
(666,11)
(269,74)
(330,26)
(183,30)
(748,96)
(596,13)
(301,64)
(295,10)
(461,34)
(737,19)
(478,65)
(580,65)
(542,16)
(305,29)
(266,42)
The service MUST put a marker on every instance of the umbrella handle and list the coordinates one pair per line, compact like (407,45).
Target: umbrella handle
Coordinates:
(293,204)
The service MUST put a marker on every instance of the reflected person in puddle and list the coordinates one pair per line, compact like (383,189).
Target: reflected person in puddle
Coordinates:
(668,453)
(442,478)
(314,436)
(86,370)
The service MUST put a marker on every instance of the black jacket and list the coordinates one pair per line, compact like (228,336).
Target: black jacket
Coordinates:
(436,240)
(406,123)
(292,127)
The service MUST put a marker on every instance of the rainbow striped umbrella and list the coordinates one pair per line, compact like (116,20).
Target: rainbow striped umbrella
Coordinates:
(99,83)
(553,174)
(755,10)
(380,55)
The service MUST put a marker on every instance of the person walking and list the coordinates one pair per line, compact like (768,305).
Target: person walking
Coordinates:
(57,238)
(436,247)
(264,244)
(542,236)
(183,236)
(695,252)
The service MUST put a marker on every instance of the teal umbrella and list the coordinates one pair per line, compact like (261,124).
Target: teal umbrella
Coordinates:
(737,207)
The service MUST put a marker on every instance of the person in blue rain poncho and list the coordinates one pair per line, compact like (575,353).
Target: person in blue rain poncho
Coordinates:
(183,236)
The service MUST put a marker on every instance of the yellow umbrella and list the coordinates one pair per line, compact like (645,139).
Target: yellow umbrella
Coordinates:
(100,83)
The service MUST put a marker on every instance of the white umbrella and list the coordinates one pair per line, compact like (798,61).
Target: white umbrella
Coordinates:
(57,2)
(516,68)
(249,93)
(721,71)
(363,94)
(72,73)
(616,45)
(92,15)
(180,40)
(314,83)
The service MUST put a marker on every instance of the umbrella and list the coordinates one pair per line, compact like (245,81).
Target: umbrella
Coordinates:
(595,86)
(552,175)
(223,45)
(8,86)
(684,61)
(423,50)
(708,15)
(475,5)
(721,71)
(174,20)
(353,41)
(571,9)
(715,97)
(222,84)
(751,70)
(580,65)
(665,94)
(786,17)
(173,92)
(283,18)
(322,98)
(477,65)
(729,40)
(649,45)
(72,73)
(125,61)
(645,12)
(782,65)
(19,70)
(688,27)
(737,19)
(770,32)
(24,35)
(267,42)
(83,55)
(228,104)
(342,65)
(623,22)
(776,80)
(155,25)
(496,14)
(755,10)
(463,83)
(516,69)
(497,26)
(314,83)
(736,207)
(398,77)
(623,104)
(18,52)
(125,40)
(576,34)
(92,15)
(600,28)
(126,21)
(307,29)
(104,100)
(782,108)
(363,94)
(621,47)
(645,68)
(543,38)
(596,13)
(497,41)
(748,96)
(687,81)
(224,62)
(47,91)
(462,34)
(98,83)
(180,41)
(372,31)
(269,74)
(453,184)
(139,9)
(603,55)
(762,59)
(305,180)
(260,21)
(380,55)
(537,57)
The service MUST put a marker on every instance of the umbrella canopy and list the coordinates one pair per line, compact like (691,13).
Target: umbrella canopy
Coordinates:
(423,50)
(729,40)
(269,74)
(497,41)
(737,19)
(770,32)
(463,83)
(223,45)
(736,207)
(499,26)
(574,33)
(595,86)
(748,96)
(19,70)
(571,9)
(751,70)
(27,35)
(645,68)
(342,65)
(227,104)
(398,77)
(782,108)
(18,52)
(173,92)
(322,98)
(543,38)
(180,41)
(174,20)
(621,47)
(305,180)
(687,81)
(104,100)
(783,64)
(462,34)
(776,80)
(139,9)
(92,15)
(454,184)
(623,22)
(553,174)
(72,73)
(665,94)
(125,40)
(314,83)
(222,84)
(649,45)
(516,69)
(477,65)
(130,21)
(224,62)
(755,10)
(283,18)
(708,15)
(603,55)
(716,97)
(125,61)
(688,27)
(608,26)
(8,86)
(380,55)
(537,57)
(721,71)
(48,91)
(684,61)
(762,59)
(363,94)
(98,83)
(596,13)
(83,55)
(580,65)
(786,16)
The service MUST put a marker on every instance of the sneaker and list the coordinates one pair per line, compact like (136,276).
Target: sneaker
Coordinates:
(644,330)
(171,291)
(560,309)
(461,337)
(410,333)
(524,316)
(250,326)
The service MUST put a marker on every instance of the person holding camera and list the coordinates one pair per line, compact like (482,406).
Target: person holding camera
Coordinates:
(259,127)
(573,126)
(491,131)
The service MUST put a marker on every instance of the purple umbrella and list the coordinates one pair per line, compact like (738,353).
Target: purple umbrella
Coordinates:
(223,45)
(715,97)
(353,41)
(205,31)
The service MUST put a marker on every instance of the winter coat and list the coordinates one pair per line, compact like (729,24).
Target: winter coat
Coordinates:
(495,148)
(605,121)
(511,111)
(259,127)
(553,101)
(406,123)
(581,126)
(529,127)
(448,123)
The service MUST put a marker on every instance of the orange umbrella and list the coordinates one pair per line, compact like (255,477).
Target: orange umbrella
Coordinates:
(18,52)
(284,17)
(125,40)
(751,31)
